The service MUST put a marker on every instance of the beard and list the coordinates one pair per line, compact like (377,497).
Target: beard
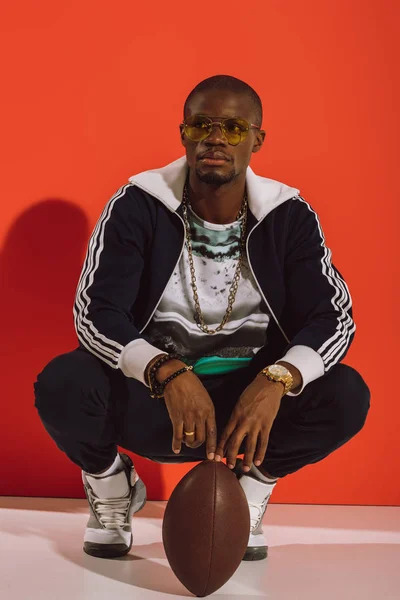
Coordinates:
(216,177)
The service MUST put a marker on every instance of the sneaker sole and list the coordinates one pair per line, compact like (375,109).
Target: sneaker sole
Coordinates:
(256,553)
(117,550)
(105,551)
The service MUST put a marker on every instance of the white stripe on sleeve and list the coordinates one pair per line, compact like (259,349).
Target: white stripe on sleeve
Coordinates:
(334,347)
(102,346)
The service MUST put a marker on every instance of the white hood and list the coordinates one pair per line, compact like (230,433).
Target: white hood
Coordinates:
(167,183)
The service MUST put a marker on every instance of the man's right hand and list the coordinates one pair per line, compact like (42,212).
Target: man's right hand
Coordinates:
(190,409)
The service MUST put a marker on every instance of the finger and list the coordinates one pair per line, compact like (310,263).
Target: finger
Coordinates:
(251,446)
(221,446)
(177,437)
(211,442)
(200,435)
(191,428)
(262,445)
(233,447)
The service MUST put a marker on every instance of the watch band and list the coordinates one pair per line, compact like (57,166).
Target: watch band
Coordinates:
(286,380)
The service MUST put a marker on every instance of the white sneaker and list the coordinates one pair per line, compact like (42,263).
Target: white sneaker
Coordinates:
(113,500)
(257,493)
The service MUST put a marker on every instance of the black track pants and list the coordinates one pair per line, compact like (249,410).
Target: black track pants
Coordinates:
(89,409)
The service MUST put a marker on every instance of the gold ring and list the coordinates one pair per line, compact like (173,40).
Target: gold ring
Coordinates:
(188,432)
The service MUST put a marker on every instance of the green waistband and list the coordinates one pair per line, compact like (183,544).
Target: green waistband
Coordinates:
(216,365)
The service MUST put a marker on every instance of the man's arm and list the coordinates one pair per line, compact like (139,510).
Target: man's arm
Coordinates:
(109,284)
(318,301)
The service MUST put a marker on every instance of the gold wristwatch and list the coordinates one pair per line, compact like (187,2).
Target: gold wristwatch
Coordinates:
(279,373)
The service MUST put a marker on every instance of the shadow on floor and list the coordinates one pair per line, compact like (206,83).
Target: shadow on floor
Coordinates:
(315,571)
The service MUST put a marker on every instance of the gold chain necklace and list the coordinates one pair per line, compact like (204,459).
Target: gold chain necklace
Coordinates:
(198,316)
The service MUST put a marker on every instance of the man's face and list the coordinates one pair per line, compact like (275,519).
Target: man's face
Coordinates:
(221,104)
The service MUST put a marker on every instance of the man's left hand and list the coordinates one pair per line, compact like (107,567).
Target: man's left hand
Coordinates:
(253,417)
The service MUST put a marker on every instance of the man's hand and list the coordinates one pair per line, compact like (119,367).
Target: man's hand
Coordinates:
(253,417)
(190,408)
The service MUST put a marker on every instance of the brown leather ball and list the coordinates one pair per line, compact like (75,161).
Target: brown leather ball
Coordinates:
(206,527)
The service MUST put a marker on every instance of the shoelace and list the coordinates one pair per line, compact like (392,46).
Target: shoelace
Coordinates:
(260,511)
(111,511)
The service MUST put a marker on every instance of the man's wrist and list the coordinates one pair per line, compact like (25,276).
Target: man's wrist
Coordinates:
(168,369)
(150,364)
(270,382)
(295,373)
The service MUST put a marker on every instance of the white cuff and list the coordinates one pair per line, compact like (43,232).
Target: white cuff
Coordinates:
(307,361)
(135,357)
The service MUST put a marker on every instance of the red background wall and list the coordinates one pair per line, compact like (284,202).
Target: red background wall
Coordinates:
(93,94)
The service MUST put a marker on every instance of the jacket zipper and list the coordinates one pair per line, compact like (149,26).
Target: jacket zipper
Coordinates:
(259,287)
(248,259)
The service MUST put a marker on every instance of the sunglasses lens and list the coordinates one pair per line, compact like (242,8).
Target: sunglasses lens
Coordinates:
(197,128)
(236,130)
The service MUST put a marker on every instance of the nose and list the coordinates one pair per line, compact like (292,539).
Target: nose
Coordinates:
(216,136)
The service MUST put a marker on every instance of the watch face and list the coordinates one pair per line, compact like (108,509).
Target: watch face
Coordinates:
(278,370)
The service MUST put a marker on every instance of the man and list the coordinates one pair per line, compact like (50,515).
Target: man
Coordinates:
(208,312)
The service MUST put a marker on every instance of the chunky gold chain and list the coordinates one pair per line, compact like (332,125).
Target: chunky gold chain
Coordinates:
(235,282)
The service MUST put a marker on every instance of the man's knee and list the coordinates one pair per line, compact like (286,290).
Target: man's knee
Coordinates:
(351,400)
(64,380)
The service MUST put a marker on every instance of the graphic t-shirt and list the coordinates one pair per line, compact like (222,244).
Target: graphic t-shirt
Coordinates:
(173,327)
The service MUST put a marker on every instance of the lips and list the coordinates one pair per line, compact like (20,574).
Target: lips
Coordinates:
(214,156)
(213,159)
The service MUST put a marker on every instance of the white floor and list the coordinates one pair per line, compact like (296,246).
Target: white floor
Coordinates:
(316,553)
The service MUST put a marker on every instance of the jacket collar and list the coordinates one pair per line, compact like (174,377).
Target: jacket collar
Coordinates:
(167,183)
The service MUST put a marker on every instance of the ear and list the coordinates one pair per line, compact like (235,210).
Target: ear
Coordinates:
(259,141)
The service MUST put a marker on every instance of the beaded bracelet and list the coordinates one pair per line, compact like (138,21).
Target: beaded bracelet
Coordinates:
(151,371)
(153,383)
(163,359)
(159,392)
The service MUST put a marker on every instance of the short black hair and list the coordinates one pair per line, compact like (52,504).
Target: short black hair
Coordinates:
(227,82)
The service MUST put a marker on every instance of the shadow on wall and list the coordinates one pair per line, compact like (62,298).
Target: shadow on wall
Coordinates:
(40,264)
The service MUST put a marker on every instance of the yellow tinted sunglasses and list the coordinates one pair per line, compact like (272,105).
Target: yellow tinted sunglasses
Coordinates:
(199,127)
